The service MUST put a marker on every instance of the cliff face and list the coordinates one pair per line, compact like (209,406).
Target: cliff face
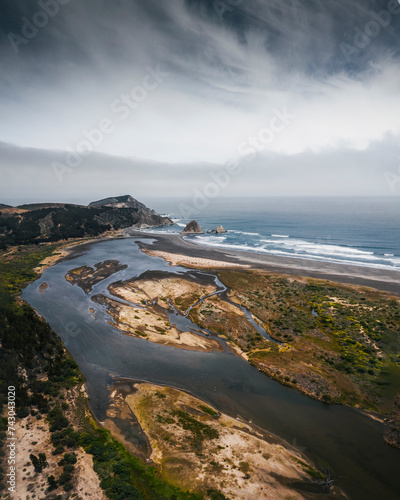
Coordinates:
(124,205)
(192,228)
(58,221)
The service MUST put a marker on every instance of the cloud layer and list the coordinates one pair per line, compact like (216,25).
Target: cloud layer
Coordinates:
(224,72)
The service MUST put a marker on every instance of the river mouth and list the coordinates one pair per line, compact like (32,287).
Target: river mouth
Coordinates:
(343,440)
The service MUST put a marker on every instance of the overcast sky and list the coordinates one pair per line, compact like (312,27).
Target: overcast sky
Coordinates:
(286,97)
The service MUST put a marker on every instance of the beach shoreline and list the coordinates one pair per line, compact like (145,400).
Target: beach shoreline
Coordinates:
(182,249)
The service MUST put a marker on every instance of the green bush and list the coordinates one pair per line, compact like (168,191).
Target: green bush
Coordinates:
(52,483)
(69,458)
(68,486)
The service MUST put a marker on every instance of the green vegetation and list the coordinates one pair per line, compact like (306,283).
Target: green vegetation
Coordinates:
(125,476)
(27,341)
(185,301)
(16,270)
(315,474)
(209,410)
(200,431)
(29,349)
(39,463)
(234,326)
(337,341)
(62,223)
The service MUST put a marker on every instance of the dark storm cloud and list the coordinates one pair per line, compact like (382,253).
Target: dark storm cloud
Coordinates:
(230,66)
(301,33)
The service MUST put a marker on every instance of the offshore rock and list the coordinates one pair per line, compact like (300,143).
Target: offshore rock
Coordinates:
(192,228)
(217,230)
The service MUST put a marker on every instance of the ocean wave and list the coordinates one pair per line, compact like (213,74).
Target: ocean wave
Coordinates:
(369,260)
(280,236)
(243,232)
(337,251)
(321,248)
(210,239)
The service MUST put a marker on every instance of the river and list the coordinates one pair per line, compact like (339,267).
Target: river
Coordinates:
(341,439)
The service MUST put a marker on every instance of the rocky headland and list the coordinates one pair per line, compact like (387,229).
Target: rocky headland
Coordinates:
(51,222)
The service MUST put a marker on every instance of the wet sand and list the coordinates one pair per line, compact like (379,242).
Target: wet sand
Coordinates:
(381,279)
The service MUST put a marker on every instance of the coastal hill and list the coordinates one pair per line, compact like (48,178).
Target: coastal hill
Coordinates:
(123,202)
(45,222)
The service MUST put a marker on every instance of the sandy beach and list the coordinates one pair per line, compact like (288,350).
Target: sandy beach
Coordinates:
(188,253)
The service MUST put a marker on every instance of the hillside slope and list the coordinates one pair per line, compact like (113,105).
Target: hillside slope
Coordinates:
(36,223)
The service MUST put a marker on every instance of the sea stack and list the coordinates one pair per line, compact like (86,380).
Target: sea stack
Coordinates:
(218,230)
(192,228)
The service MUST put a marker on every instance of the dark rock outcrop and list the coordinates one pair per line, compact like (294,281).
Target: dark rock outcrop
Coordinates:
(217,230)
(192,228)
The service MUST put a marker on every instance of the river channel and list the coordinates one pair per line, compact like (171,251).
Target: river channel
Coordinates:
(341,439)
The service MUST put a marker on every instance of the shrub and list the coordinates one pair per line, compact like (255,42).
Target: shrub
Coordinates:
(52,483)
(208,410)
(69,458)
(36,463)
(68,486)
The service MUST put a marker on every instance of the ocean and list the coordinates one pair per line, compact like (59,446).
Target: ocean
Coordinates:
(359,231)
